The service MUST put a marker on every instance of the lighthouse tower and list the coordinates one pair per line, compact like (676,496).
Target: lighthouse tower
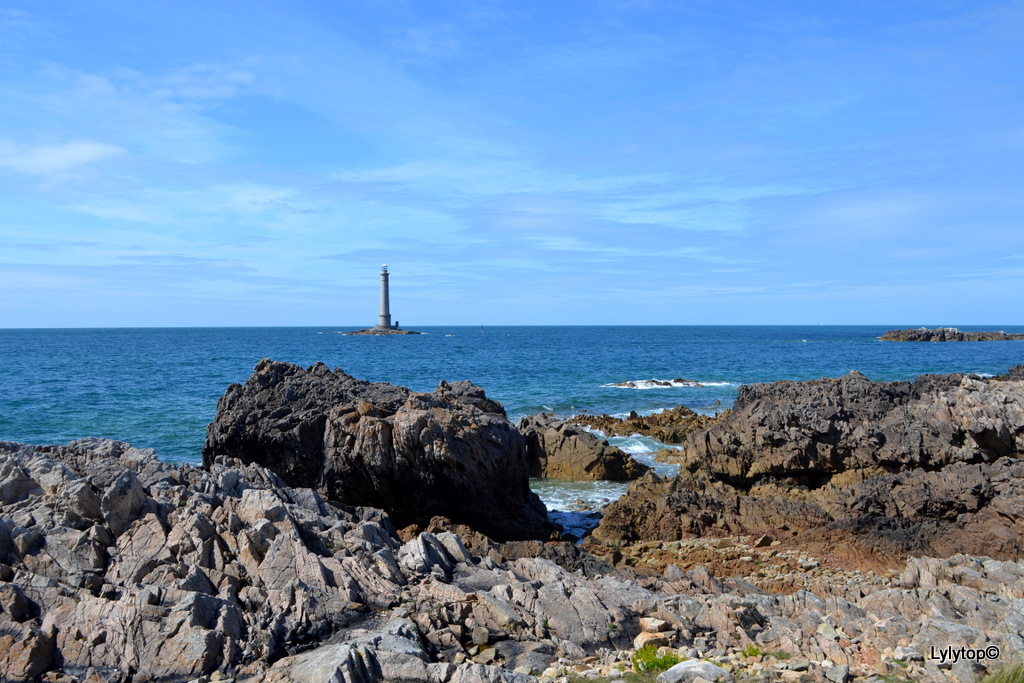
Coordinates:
(385,306)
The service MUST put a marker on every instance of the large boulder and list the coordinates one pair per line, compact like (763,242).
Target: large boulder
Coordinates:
(557,449)
(450,452)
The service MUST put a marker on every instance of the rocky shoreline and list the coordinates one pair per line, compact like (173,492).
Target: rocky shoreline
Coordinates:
(838,530)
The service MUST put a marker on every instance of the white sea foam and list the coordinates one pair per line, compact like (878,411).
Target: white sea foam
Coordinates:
(655,383)
(643,449)
(575,497)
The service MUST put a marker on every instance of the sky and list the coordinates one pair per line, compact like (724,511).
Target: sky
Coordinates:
(586,163)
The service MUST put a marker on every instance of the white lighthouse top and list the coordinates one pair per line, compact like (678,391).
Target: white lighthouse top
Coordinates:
(384,268)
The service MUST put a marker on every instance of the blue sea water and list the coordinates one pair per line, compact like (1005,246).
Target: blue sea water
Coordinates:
(158,388)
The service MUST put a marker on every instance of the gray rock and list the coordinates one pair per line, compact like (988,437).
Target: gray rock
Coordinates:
(690,670)
(838,674)
(122,502)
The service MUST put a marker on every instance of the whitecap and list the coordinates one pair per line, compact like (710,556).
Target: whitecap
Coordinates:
(655,383)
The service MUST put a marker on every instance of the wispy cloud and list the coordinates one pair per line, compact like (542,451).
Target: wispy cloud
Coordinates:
(49,159)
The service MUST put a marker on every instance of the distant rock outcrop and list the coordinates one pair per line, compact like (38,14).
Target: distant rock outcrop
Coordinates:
(557,449)
(941,334)
(930,466)
(450,452)
(377,330)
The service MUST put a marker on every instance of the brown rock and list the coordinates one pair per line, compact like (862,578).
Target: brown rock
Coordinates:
(669,426)
(558,449)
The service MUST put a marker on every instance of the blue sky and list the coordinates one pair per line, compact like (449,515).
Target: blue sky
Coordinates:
(600,162)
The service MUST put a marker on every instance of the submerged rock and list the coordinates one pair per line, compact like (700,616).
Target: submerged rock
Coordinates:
(450,452)
(668,426)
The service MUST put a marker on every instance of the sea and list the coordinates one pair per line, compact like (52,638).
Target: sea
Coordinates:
(158,387)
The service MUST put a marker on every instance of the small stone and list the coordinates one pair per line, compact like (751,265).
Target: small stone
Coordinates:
(906,654)
(653,624)
(647,638)
(826,630)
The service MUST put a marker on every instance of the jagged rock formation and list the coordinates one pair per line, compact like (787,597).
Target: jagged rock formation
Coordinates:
(941,334)
(668,426)
(450,452)
(924,467)
(558,449)
(116,567)
(844,430)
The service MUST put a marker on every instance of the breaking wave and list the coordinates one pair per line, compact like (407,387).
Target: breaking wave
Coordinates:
(656,383)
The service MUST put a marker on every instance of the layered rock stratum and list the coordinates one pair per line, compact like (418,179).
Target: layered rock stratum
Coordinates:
(450,452)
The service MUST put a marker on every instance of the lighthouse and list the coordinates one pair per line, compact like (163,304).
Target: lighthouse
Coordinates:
(384,326)
(385,305)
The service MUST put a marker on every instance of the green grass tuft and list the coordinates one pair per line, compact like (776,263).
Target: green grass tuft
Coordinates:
(647,659)
(1011,673)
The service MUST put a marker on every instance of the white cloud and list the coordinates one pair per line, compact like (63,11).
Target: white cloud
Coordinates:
(53,159)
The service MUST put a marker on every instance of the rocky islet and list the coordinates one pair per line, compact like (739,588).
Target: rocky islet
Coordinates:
(116,566)
(946,334)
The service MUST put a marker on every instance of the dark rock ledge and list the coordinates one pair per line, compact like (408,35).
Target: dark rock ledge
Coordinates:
(849,466)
